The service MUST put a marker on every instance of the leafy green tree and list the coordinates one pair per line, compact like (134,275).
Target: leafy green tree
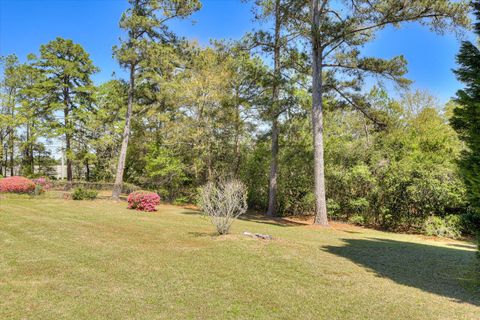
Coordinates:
(145,23)
(466,116)
(69,88)
(105,127)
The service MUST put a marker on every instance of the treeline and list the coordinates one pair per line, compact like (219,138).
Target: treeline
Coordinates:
(189,114)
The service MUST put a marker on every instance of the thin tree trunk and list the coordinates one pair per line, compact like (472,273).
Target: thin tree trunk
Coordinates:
(68,147)
(87,173)
(273,187)
(1,153)
(31,146)
(12,142)
(117,188)
(69,160)
(317,120)
(272,182)
(238,154)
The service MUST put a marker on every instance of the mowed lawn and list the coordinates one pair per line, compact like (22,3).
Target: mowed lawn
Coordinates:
(64,259)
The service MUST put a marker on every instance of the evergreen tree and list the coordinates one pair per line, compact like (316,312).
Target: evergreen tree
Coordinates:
(277,44)
(145,23)
(68,85)
(466,116)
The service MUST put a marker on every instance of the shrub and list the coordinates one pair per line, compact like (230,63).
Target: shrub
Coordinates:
(84,194)
(17,184)
(471,223)
(181,201)
(357,219)
(41,185)
(449,227)
(143,201)
(127,188)
(223,202)
(43,182)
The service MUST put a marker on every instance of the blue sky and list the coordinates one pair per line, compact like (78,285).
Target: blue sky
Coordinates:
(26,24)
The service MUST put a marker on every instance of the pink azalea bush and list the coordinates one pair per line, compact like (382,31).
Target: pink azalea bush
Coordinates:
(143,201)
(17,184)
(43,182)
(41,185)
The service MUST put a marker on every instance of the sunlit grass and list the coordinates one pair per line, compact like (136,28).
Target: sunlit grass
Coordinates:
(64,259)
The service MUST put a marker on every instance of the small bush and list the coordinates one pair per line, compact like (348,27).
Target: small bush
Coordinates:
(449,227)
(42,184)
(143,201)
(357,220)
(17,184)
(84,194)
(223,202)
(181,201)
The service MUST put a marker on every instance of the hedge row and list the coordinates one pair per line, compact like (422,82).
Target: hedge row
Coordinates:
(63,185)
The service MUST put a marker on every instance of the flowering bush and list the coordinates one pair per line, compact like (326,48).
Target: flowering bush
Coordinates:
(17,185)
(143,201)
(41,185)
(43,182)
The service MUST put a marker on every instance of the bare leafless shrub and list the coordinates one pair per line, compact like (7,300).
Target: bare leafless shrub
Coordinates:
(223,202)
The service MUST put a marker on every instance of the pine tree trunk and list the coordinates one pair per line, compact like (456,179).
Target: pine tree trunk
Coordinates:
(1,153)
(238,154)
(273,187)
(87,172)
(117,188)
(68,146)
(317,120)
(272,183)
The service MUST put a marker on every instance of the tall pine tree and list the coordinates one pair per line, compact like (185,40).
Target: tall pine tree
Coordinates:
(145,24)
(69,87)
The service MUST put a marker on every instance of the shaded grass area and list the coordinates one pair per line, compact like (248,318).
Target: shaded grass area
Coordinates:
(97,260)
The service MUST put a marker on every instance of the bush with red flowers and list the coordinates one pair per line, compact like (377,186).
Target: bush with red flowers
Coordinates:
(143,201)
(17,184)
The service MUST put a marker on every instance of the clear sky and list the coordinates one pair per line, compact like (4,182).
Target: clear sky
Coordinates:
(26,24)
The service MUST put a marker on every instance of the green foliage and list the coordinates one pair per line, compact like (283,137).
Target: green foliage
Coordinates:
(471,223)
(357,219)
(166,171)
(466,115)
(449,227)
(181,201)
(39,189)
(84,194)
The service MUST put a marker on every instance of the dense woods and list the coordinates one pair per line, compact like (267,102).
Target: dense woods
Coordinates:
(289,109)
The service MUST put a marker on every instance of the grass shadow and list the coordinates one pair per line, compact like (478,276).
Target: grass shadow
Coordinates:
(449,272)
(274,221)
(203,234)
(256,217)
(350,231)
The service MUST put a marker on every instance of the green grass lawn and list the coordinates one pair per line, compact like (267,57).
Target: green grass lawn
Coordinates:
(64,259)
